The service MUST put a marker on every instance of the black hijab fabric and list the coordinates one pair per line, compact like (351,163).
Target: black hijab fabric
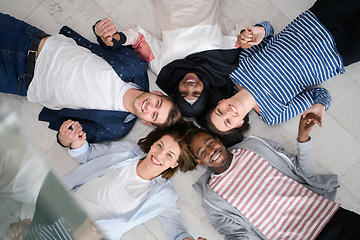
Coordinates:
(212,68)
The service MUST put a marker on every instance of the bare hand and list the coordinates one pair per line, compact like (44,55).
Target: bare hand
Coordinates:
(106,30)
(251,36)
(17,231)
(70,132)
(318,109)
(305,126)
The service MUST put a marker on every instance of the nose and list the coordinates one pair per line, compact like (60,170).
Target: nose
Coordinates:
(210,151)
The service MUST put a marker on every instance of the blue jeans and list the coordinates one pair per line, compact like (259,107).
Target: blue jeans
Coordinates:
(15,39)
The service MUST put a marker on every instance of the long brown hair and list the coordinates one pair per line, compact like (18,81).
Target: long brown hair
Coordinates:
(182,134)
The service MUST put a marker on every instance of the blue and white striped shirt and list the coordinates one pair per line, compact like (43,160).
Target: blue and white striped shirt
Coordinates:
(278,70)
(59,230)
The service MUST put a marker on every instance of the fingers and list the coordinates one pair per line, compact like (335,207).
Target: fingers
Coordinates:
(71,129)
(311,119)
(107,28)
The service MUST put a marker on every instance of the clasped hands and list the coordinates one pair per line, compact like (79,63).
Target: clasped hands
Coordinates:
(251,36)
(71,133)
(106,30)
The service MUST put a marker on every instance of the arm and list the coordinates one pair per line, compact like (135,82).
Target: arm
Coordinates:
(143,42)
(301,103)
(173,225)
(304,161)
(224,225)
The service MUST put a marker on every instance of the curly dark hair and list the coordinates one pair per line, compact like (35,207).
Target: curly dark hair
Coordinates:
(228,138)
(182,134)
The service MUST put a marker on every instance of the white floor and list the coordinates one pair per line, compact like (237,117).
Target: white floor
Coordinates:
(337,143)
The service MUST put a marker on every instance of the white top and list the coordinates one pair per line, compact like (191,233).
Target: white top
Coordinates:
(69,76)
(115,193)
(188,26)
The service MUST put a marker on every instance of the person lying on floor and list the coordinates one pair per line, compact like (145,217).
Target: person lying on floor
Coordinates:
(122,184)
(103,88)
(257,188)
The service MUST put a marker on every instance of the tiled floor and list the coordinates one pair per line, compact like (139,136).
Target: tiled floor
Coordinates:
(337,143)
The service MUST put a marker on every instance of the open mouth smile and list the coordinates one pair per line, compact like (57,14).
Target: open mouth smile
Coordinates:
(190,81)
(155,161)
(233,109)
(143,105)
(215,156)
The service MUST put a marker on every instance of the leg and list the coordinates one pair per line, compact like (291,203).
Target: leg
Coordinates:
(343,225)
(15,39)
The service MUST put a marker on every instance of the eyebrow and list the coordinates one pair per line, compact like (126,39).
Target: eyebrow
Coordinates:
(197,152)
(161,102)
(169,151)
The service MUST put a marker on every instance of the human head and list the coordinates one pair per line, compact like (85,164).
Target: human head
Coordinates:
(180,133)
(191,96)
(228,114)
(210,151)
(156,109)
(191,87)
(230,137)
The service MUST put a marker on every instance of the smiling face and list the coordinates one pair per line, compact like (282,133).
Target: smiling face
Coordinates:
(191,87)
(152,108)
(163,154)
(228,114)
(210,151)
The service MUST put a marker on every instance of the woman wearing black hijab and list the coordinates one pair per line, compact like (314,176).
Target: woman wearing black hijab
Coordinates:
(206,73)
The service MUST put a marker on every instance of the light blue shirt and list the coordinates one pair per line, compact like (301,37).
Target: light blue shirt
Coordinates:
(99,159)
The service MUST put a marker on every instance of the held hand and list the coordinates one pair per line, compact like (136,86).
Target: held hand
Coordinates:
(106,30)
(318,109)
(71,132)
(251,36)
(17,231)
(305,126)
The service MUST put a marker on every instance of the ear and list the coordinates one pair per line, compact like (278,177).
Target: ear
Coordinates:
(157,92)
(240,124)
(147,123)
(220,101)
(175,165)
(199,162)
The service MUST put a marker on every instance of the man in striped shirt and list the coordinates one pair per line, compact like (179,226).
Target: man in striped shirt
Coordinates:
(257,188)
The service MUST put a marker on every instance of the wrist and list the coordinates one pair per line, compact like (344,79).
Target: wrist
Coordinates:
(303,138)
(61,141)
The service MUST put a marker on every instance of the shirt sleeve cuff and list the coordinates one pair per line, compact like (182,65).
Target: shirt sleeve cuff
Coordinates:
(79,151)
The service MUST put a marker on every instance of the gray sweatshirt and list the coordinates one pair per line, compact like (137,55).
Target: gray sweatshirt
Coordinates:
(229,221)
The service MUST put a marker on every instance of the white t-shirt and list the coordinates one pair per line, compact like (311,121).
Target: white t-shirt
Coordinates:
(115,193)
(69,76)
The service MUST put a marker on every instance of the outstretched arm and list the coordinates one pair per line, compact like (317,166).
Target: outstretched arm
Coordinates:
(143,42)
(319,97)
